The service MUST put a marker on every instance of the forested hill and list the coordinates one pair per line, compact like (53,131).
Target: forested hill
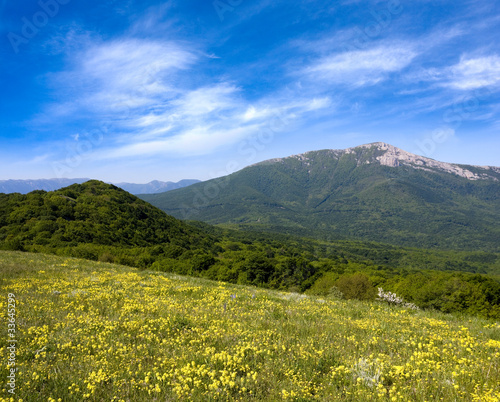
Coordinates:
(374,192)
(92,213)
(98,221)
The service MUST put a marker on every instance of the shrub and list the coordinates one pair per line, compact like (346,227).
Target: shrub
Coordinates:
(14,244)
(323,285)
(356,286)
(107,257)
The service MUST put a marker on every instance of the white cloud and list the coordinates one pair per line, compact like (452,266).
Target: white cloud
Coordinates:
(251,113)
(474,73)
(133,71)
(207,100)
(469,73)
(217,123)
(195,141)
(132,61)
(265,111)
(361,67)
(318,103)
(145,94)
(120,75)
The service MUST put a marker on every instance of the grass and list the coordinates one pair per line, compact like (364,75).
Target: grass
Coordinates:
(89,331)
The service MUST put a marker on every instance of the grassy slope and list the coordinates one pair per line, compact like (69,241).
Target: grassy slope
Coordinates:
(95,331)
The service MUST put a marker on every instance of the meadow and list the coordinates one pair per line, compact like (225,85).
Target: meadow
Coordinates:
(93,331)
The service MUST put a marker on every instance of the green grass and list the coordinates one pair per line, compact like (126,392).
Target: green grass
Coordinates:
(100,332)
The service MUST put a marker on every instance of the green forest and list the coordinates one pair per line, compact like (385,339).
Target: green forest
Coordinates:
(347,196)
(100,222)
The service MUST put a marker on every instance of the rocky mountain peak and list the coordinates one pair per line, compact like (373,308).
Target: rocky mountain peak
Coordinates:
(389,155)
(394,157)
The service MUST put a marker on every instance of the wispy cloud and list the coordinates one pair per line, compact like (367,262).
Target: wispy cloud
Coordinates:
(474,73)
(361,67)
(145,91)
(206,119)
(207,100)
(199,140)
(469,73)
(130,72)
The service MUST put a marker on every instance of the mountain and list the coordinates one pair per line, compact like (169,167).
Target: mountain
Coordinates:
(155,186)
(93,217)
(26,186)
(373,192)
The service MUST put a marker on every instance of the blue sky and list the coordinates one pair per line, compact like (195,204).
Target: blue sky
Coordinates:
(141,90)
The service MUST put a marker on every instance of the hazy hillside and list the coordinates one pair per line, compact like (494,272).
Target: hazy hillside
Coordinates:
(374,192)
(155,186)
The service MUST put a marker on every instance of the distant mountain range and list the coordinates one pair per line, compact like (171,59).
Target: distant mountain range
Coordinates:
(26,186)
(373,192)
(155,186)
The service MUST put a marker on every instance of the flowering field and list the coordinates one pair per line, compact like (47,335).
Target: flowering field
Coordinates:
(101,332)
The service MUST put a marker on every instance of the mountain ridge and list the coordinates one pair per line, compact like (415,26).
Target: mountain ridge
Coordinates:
(374,192)
(393,157)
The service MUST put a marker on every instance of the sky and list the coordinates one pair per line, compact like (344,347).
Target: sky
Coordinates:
(134,91)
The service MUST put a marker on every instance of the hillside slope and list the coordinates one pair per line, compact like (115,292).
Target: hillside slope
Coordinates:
(100,332)
(373,192)
(98,221)
(155,186)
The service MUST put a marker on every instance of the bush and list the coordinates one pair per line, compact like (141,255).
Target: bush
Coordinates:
(85,251)
(323,285)
(107,257)
(202,262)
(356,286)
(14,244)
(171,265)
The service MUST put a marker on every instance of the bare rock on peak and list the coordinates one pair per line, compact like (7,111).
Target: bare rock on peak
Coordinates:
(389,155)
